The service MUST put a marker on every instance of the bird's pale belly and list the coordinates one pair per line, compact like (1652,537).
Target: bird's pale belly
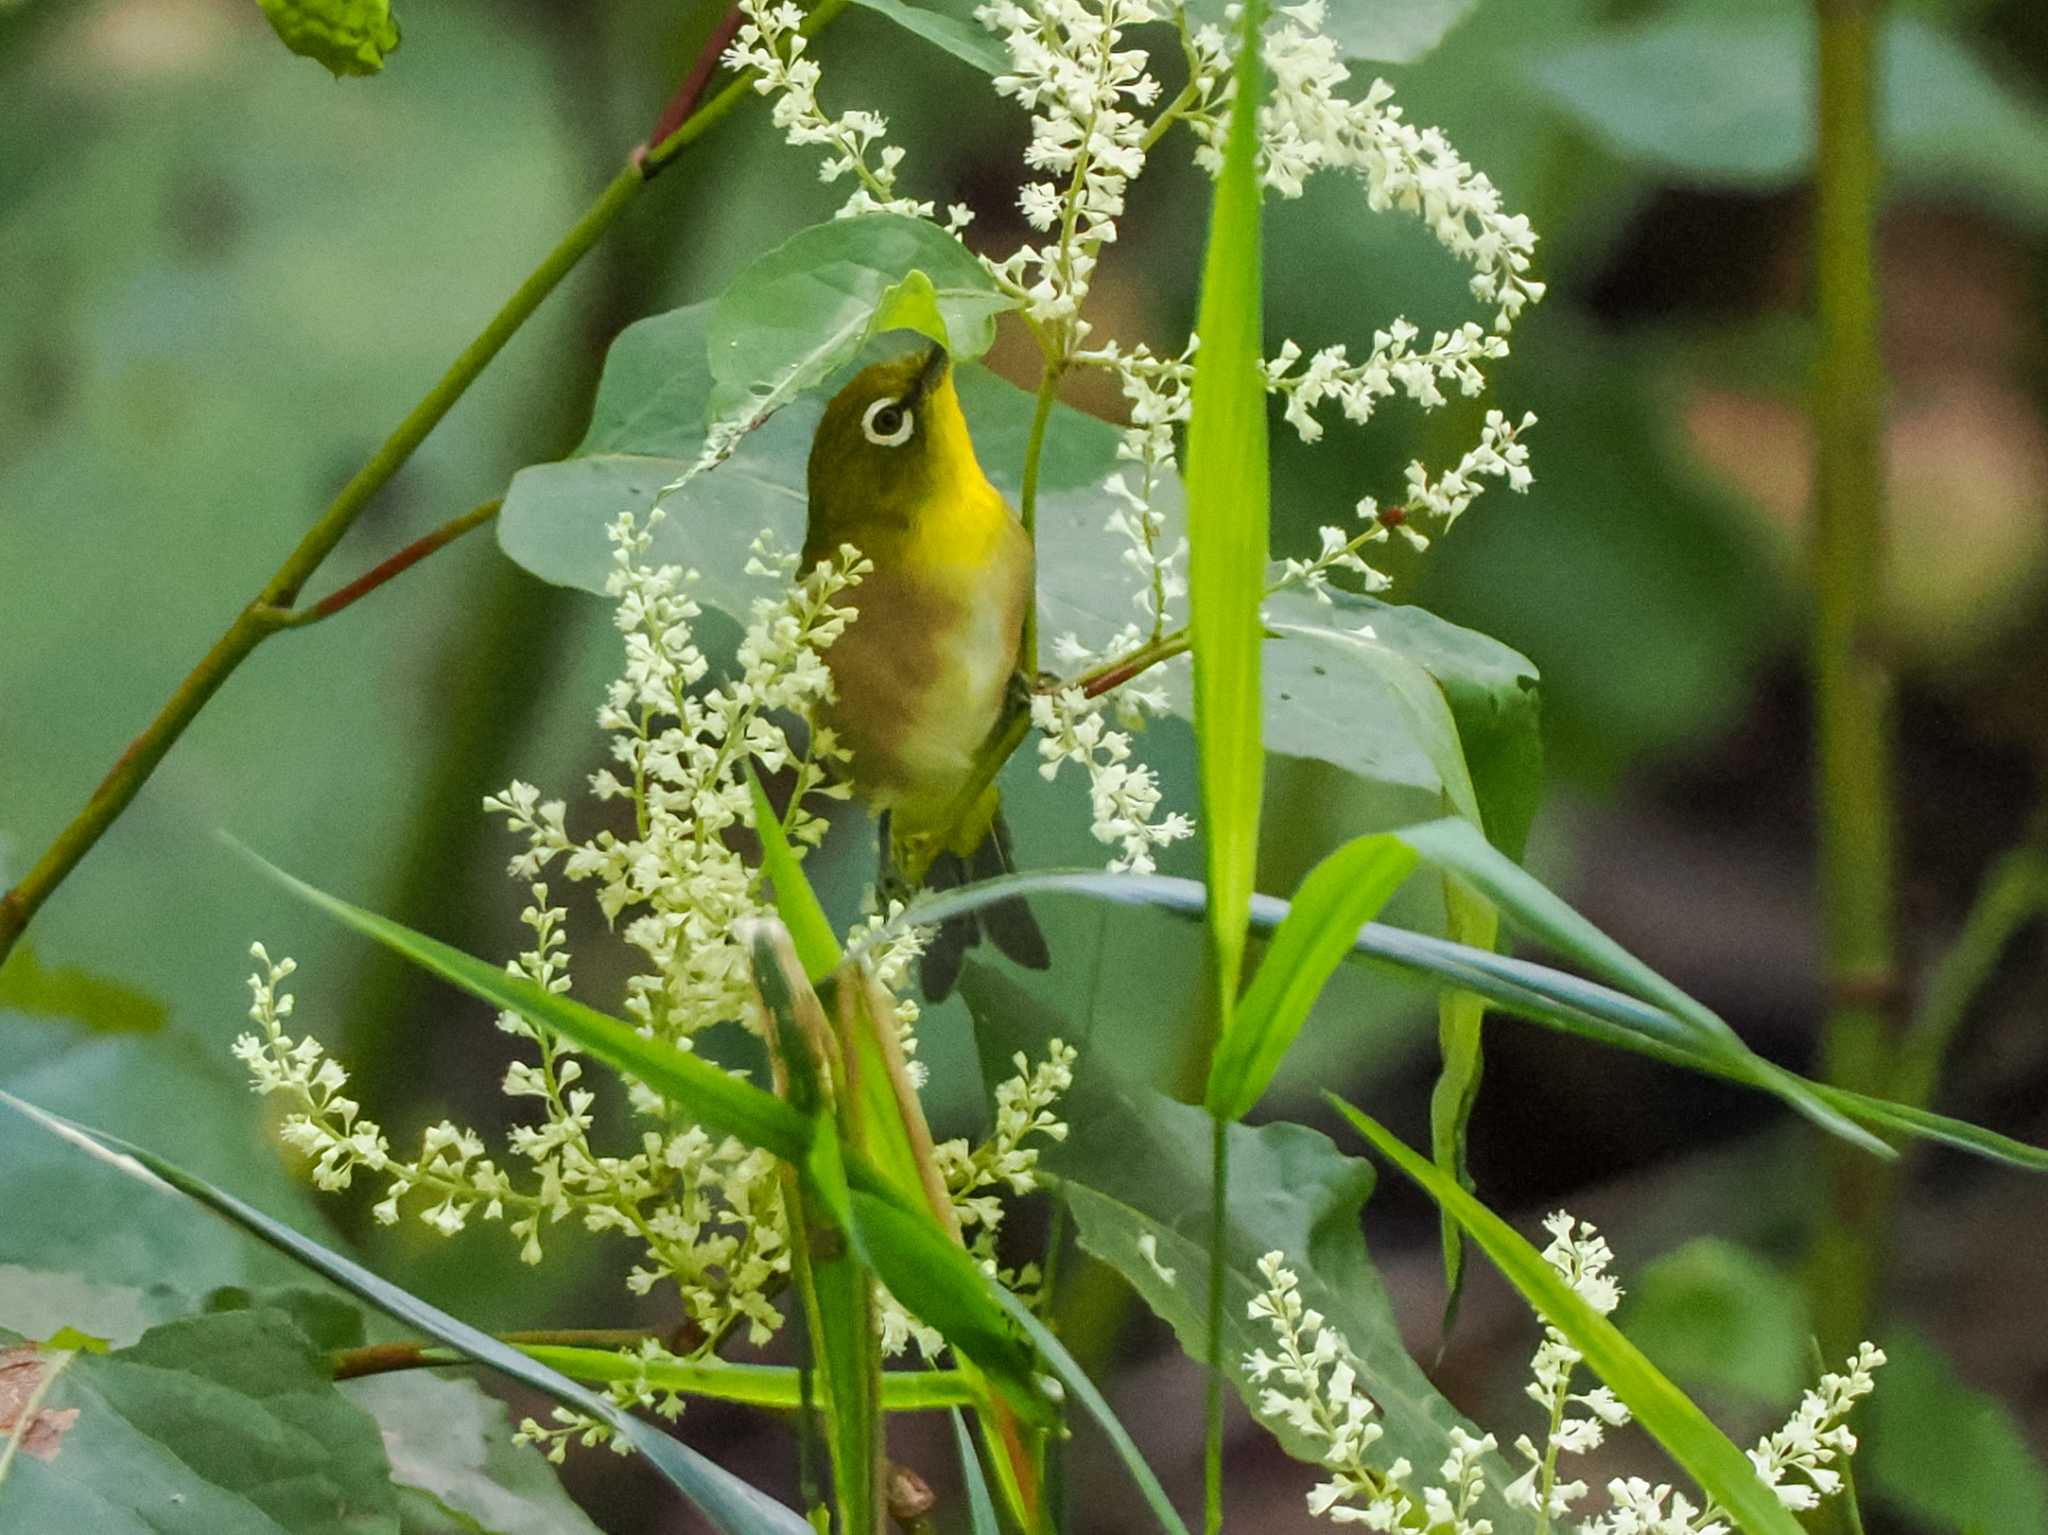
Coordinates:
(920,677)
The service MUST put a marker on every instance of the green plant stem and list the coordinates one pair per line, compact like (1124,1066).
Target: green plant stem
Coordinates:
(388,1358)
(1027,510)
(376,576)
(1852,684)
(260,619)
(1219,1225)
(2013,894)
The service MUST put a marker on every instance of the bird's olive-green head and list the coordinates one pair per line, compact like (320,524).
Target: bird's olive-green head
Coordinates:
(891,454)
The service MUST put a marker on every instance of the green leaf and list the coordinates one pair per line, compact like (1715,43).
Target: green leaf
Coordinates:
(449,1441)
(1470,919)
(1135,1165)
(810,930)
(1722,1471)
(647,429)
(1730,99)
(1553,998)
(1456,847)
(1338,897)
(1229,490)
(727,1502)
(1712,1313)
(969,43)
(1951,1456)
(228,1424)
(801,311)
(67,991)
(351,37)
(147,1261)
(1386,31)
(981,1508)
(329,1323)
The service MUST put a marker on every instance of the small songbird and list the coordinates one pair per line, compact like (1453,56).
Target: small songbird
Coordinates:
(922,674)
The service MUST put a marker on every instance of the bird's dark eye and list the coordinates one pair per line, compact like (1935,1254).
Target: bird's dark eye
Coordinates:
(887,424)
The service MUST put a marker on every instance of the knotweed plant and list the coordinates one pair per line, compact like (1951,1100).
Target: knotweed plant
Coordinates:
(1091,74)
(1310,1383)
(668,876)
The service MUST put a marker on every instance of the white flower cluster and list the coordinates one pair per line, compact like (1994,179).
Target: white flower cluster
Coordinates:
(1311,1385)
(976,1177)
(1124,793)
(770,43)
(1085,92)
(1314,1389)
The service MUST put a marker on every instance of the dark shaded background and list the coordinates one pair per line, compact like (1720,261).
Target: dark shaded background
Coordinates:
(223,276)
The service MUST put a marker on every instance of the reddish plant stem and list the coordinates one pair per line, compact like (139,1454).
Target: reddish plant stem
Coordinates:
(376,576)
(679,107)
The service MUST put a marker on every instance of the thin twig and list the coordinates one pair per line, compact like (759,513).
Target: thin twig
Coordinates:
(420,1354)
(377,575)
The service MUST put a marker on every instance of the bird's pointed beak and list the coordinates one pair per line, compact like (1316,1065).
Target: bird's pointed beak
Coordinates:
(933,373)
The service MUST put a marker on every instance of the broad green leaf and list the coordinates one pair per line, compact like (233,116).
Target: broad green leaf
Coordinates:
(647,429)
(1715,1314)
(105,1006)
(1950,1455)
(1338,897)
(1134,1165)
(1229,490)
(351,37)
(1385,31)
(1537,993)
(140,1263)
(1730,99)
(328,1322)
(802,310)
(817,946)
(730,1504)
(967,42)
(1722,1471)
(228,1424)
(449,1441)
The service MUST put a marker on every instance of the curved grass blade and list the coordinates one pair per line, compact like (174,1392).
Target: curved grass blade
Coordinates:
(1722,1471)
(1078,1385)
(729,1503)
(1553,998)
(1337,898)
(722,1103)
(981,1508)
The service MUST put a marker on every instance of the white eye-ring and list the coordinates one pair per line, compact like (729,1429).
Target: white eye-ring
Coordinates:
(887,424)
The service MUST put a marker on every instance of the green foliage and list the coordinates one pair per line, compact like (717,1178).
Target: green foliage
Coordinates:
(350,37)
(731,1505)
(1711,1313)
(1720,1469)
(1135,1166)
(981,1508)
(454,1463)
(817,946)
(1668,92)
(1228,494)
(227,1424)
(803,309)
(1389,31)
(1321,701)
(966,41)
(107,1006)
(1339,896)
(1951,1456)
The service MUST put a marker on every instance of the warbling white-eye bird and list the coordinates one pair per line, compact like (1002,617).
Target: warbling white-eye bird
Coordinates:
(922,674)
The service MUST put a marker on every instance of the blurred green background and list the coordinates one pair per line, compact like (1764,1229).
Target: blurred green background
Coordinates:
(223,276)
